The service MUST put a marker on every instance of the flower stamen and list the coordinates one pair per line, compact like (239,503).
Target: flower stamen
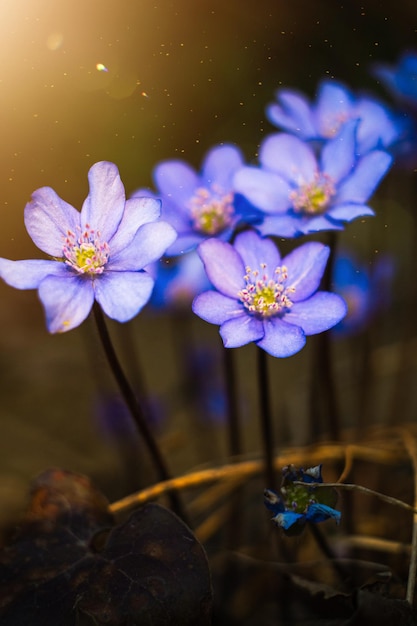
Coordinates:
(85,254)
(313,198)
(264,296)
(211,210)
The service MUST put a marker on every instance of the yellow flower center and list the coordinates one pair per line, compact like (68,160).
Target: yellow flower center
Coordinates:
(314,197)
(264,296)
(211,210)
(85,254)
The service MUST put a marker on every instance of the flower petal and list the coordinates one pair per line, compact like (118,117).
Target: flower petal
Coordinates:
(318,313)
(349,211)
(138,211)
(224,266)
(264,190)
(122,295)
(240,331)
(103,208)
(48,219)
(361,184)
(220,165)
(334,103)
(293,113)
(255,251)
(339,154)
(67,301)
(184,244)
(215,308)
(287,519)
(281,339)
(29,274)
(147,246)
(318,512)
(282,225)
(178,181)
(289,157)
(306,265)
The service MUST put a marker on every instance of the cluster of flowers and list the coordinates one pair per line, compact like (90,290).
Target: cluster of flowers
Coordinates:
(217,225)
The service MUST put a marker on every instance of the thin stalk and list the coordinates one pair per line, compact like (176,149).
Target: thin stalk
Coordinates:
(267,430)
(134,407)
(233,422)
(324,386)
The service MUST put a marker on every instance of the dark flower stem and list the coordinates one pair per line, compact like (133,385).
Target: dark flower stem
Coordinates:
(324,386)
(266,419)
(134,407)
(235,445)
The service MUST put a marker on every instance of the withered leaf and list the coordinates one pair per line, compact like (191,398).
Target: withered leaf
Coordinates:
(68,564)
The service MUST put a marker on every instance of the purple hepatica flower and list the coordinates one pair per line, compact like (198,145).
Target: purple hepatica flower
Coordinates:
(98,253)
(301,194)
(202,205)
(295,505)
(335,105)
(262,298)
(401,79)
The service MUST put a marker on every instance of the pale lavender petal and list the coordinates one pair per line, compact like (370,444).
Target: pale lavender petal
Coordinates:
(306,265)
(289,157)
(241,330)
(178,181)
(216,308)
(48,219)
(29,274)
(339,154)
(361,184)
(103,208)
(178,216)
(317,314)
(348,212)
(293,113)
(147,246)
(224,266)
(265,190)
(281,225)
(334,104)
(281,339)
(122,295)
(255,250)
(138,211)
(319,223)
(67,302)
(220,164)
(184,243)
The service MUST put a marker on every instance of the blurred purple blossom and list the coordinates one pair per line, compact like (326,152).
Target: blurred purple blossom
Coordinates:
(300,193)
(202,205)
(335,105)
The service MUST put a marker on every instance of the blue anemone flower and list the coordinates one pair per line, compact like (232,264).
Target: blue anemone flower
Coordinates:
(202,205)
(295,505)
(378,127)
(97,254)
(401,79)
(300,193)
(178,281)
(364,287)
(263,298)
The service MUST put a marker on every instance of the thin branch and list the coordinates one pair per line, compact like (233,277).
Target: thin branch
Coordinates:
(248,469)
(369,492)
(411,447)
